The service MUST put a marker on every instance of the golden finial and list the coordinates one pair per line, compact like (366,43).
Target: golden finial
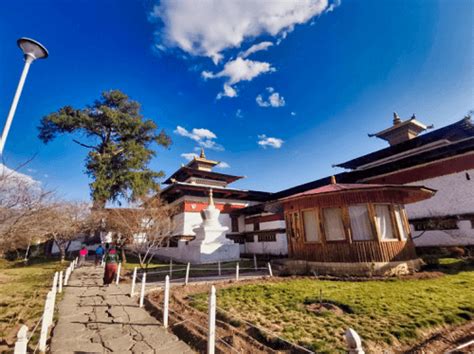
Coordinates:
(396,119)
(203,155)
(333,179)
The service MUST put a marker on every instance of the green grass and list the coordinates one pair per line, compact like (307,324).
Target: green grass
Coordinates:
(393,312)
(23,292)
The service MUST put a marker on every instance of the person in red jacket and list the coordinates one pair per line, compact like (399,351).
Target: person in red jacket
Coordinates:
(82,255)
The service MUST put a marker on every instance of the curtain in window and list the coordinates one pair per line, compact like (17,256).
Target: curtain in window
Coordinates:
(400,225)
(311,225)
(360,223)
(383,222)
(333,224)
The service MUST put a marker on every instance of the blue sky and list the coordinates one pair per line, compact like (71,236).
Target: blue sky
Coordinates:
(336,71)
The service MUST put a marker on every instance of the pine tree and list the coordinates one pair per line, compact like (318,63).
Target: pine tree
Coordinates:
(118,138)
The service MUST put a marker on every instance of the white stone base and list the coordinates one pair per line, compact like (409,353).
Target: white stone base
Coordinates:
(210,253)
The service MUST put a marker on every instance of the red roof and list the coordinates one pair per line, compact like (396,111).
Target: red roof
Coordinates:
(423,192)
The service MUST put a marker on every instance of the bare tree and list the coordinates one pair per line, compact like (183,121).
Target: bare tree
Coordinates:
(143,229)
(22,203)
(67,221)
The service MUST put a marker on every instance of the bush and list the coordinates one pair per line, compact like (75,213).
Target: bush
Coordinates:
(456,252)
(431,261)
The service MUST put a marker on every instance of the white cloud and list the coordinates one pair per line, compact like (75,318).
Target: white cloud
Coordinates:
(333,5)
(293,114)
(238,70)
(204,137)
(223,164)
(273,100)
(189,155)
(196,134)
(208,27)
(265,141)
(211,144)
(256,48)
(8,175)
(229,91)
(239,114)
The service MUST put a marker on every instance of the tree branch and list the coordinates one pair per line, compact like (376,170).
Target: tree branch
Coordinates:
(84,145)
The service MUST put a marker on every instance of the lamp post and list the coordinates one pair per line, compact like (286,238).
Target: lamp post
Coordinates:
(32,50)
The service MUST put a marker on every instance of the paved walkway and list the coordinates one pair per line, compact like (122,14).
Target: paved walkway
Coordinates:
(98,319)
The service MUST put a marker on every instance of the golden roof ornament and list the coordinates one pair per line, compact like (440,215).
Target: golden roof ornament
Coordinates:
(202,155)
(396,119)
(333,179)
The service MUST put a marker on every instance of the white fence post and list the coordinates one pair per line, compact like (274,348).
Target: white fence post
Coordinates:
(237,272)
(219,268)
(142,292)
(54,287)
(21,344)
(171,268)
(66,276)
(211,337)
(255,261)
(134,280)
(45,323)
(117,280)
(166,300)
(270,272)
(353,341)
(186,279)
(60,288)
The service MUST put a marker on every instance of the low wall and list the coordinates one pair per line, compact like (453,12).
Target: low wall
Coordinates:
(301,267)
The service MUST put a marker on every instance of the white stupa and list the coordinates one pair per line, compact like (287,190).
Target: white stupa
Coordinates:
(210,244)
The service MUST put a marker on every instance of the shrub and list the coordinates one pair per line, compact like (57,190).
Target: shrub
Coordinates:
(456,252)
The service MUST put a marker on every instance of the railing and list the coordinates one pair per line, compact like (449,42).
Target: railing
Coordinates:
(46,320)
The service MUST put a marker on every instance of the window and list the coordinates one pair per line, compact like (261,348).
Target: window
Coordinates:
(333,225)
(399,216)
(360,223)
(384,222)
(235,223)
(311,225)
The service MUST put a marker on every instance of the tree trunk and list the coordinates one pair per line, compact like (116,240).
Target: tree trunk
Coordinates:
(124,257)
(98,204)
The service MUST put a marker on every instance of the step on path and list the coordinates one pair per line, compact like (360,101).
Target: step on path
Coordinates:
(97,319)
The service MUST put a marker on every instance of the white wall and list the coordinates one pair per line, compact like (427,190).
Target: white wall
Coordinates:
(280,247)
(455,195)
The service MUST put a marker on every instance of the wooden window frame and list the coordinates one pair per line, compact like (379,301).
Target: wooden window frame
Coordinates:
(392,221)
(373,226)
(315,212)
(344,226)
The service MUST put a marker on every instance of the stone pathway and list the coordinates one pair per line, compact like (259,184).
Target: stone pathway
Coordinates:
(98,319)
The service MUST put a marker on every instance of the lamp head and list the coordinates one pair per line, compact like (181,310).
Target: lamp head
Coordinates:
(32,49)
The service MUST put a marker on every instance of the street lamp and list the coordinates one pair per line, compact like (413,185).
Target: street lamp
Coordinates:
(32,50)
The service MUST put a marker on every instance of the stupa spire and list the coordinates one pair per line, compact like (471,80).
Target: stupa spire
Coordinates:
(211,199)
(202,155)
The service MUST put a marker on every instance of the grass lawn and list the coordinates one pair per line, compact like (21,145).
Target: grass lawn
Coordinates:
(393,312)
(23,292)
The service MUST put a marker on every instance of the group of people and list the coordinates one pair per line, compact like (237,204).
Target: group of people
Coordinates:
(108,255)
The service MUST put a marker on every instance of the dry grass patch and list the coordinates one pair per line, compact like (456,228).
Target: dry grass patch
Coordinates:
(23,292)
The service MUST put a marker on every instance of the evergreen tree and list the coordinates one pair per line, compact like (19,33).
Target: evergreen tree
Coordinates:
(118,138)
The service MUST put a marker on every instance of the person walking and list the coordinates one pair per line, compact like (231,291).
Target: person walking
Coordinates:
(82,255)
(99,254)
(111,263)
